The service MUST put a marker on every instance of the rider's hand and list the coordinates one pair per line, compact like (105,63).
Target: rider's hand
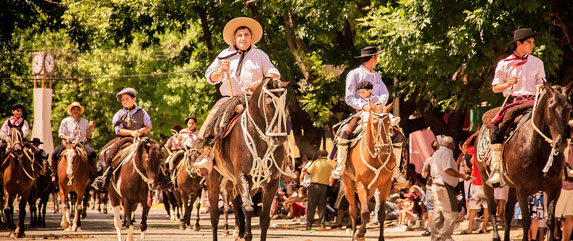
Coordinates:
(92,124)
(135,133)
(366,107)
(224,66)
(69,138)
(513,80)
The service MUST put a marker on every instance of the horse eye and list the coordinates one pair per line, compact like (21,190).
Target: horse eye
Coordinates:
(269,101)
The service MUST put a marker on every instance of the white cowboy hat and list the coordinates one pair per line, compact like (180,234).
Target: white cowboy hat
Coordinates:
(128,90)
(253,25)
(75,104)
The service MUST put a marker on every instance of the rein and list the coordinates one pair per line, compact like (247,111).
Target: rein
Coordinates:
(260,170)
(16,137)
(554,151)
(377,147)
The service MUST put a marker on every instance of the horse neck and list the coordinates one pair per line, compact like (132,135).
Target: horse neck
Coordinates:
(538,119)
(371,131)
(255,111)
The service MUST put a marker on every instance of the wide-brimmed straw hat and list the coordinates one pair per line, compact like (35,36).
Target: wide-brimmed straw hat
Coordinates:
(75,104)
(253,25)
(130,91)
(523,34)
(368,51)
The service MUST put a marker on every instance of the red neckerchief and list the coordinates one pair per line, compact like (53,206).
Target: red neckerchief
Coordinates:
(517,57)
(16,121)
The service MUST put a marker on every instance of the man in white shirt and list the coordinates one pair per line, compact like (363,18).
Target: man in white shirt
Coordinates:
(445,177)
(517,75)
(74,129)
(239,68)
(16,121)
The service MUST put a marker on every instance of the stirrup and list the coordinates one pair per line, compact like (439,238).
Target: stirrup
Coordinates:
(203,163)
(289,172)
(337,173)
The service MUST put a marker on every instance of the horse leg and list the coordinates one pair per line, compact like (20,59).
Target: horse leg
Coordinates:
(185,222)
(239,217)
(166,204)
(351,198)
(492,207)
(382,217)
(33,210)
(508,213)
(143,224)
(526,218)
(268,196)
(117,220)
(65,210)
(80,208)
(226,214)
(128,212)
(86,203)
(364,212)
(9,214)
(248,207)
(20,230)
(43,203)
(552,196)
(194,197)
(213,193)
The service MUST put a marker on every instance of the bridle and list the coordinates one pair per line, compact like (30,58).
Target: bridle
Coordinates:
(378,134)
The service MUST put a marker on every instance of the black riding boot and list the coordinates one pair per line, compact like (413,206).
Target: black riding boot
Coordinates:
(101,182)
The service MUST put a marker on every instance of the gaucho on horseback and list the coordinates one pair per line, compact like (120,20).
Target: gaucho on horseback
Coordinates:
(130,121)
(74,129)
(518,76)
(16,121)
(239,69)
(359,80)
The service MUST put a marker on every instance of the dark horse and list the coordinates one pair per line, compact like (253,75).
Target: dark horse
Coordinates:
(134,181)
(19,175)
(43,188)
(73,180)
(527,153)
(262,132)
(189,186)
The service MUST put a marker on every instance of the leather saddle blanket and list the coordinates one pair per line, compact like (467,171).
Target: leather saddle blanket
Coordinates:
(508,116)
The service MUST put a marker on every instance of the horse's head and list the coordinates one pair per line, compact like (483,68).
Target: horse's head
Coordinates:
(556,109)
(271,107)
(379,125)
(16,142)
(151,157)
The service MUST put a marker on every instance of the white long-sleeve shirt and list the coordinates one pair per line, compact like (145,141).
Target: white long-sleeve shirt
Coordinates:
(5,130)
(379,93)
(530,74)
(255,66)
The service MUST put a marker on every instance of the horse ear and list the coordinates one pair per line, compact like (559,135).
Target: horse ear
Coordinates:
(569,87)
(387,108)
(284,84)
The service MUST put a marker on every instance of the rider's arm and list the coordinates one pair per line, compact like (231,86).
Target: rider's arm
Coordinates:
(500,87)
(381,91)
(25,129)
(4,131)
(62,131)
(214,74)
(268,68)
(352,100)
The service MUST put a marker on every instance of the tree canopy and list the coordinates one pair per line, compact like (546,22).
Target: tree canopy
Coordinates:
(438,56)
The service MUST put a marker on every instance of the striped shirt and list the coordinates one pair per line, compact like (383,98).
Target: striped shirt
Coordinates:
(379,93)
(530,74)
(256,65)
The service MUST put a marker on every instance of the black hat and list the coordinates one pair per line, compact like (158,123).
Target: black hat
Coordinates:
(368,51)
(177,128)
(523,34)
(37,140)
(18,106)
(191,117)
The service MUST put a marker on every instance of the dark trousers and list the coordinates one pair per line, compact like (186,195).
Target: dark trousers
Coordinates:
(316,198)
(56,154)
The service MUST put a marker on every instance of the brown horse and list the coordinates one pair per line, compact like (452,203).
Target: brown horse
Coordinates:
(251,156)
(527,153)
(19,175)
(373,162)
(189,186)
(73,179)
(132,183)
(43,188)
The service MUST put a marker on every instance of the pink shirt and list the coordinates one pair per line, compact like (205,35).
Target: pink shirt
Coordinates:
(530,74)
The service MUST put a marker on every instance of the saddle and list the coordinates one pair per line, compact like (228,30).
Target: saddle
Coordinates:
(509,119)
(227,113)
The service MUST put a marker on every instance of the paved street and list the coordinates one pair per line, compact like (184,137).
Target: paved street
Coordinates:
(100,227)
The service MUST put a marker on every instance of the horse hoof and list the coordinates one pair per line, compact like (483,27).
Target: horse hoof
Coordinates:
(196,228)
(105,211)
(12,234)
(21,235)
(68,229)
(240,239)
(182,226)
(356,238)
(226,233)
(64,225)
(79,229)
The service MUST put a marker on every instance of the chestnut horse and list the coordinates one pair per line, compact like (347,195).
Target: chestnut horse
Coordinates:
(251,156)
(19,175)
(372,164)
(133,182)
(73,179)
(189,186)
(537,145)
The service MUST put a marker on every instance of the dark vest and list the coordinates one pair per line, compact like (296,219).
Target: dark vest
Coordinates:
(19,126)
(133,122)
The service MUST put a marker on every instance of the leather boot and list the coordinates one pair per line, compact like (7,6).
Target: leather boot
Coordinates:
(496,157)
(397,149)
(101,182)
(341,158)
(203,163)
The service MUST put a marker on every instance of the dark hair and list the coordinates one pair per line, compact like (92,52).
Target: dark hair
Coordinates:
(177,128)
(191,117)
(364,85)
(435,145)
(130,95)
(242,27)
(366,59)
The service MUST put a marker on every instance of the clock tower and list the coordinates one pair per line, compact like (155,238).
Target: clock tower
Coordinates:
(43,66)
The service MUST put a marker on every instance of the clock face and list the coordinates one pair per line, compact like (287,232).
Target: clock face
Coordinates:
(37,63)
(49,63)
